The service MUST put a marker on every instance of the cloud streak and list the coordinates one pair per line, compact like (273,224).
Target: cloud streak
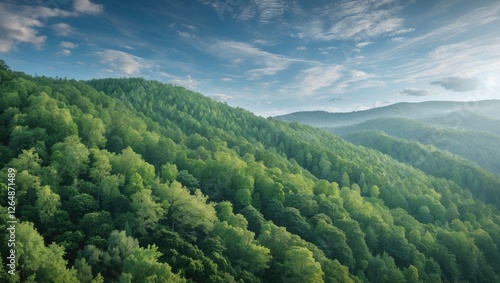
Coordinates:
(357,20)
(87,7)
(62,29)
(319,77)
(260,62)
(458,84)
(416,92)
(122,62)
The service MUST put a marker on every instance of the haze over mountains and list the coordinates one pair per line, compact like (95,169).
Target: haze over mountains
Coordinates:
(456,114)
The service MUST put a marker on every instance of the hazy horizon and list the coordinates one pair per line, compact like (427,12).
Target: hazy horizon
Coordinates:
(271,57)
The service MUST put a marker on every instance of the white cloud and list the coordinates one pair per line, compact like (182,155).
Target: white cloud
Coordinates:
(87,7)
(65,52)
(16,26)
(263,102)
(260,63)
(188,82)
(270,10)
(416,92)
(222,97)
(22,23)
(122,62)
(62,29)
(364,44)
(458,84)
(318,77)
(185,35)
(450,55)
(398,39)
(402,31)
(357,75)
(357,20)
(464,59)
(68,45)
(266,11)
(473,19)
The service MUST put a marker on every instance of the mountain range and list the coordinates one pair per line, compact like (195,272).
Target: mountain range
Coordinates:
(449,113)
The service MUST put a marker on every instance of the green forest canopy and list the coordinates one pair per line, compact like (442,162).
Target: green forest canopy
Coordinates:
(138,181)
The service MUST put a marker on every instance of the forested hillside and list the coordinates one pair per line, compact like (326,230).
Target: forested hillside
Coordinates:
(435,162)
(480,147)
(128,180)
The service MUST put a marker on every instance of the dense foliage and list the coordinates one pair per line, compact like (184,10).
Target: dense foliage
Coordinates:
(137,181)
(434,161)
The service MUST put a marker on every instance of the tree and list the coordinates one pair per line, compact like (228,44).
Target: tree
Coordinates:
(188,211)
(38,262)
(70,157)
(80,205)
(142,266)
(148,212)
(300,266)
(97,224)
(134,185)
(47,204)
(92,131)
(169,172)
(345,182)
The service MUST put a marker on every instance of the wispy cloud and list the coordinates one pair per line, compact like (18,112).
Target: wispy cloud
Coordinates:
(68,45)
(364,44)
(122,62)
(261,63)
(22,24)
(265,11)
(473,19)
(401,31)
(87,7)
(270,10)
(65,48)
(463,59)
(222,97)
(187,81)
(62,29)
(357,20)
(319,77)
(416,92)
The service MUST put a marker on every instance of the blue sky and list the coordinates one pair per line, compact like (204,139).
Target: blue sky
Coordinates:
(268,56)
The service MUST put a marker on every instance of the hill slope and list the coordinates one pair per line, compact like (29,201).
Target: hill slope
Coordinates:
(432,161)
(128,175)
(477,146)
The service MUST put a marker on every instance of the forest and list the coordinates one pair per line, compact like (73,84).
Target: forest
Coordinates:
(130,180)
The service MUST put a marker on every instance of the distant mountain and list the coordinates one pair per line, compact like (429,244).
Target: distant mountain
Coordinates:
(418,111)
(468,120)
(478,146)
